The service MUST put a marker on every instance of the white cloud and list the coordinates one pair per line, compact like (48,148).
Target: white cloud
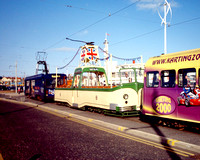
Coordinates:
(149,4)
(153,4)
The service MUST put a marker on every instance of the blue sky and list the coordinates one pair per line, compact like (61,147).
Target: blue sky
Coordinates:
(29,26)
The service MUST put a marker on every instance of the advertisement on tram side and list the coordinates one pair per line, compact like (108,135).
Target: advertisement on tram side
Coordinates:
(171,86)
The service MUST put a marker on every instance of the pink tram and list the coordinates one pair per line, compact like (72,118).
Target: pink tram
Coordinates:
(171,86)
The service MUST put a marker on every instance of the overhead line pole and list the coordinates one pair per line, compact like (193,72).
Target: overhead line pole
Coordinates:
(165,30)
(16,77)
(167,8)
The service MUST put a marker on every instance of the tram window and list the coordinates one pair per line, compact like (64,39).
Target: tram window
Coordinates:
(152,79)
(127,75)
(27,83)
(60,81)
(76,81)
(114,75)
(187,77)
(50,83)
(33,83)
(168,78)
(93,79)
(140,75)
(199,77)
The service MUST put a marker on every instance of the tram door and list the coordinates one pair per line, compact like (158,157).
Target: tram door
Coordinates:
(32,88)
(27,88)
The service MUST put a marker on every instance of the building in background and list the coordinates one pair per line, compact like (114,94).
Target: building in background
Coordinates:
(8,83)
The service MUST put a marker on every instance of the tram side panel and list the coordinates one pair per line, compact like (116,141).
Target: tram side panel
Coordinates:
(64,95)
(171,86)
(125,99)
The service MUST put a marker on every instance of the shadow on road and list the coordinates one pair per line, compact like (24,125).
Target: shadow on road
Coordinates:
(35,157)
(167,147)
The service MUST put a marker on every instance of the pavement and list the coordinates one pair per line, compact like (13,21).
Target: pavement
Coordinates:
(182,139)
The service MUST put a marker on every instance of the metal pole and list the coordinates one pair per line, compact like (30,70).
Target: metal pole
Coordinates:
(56,77)
(16,78)
(111,69)
(165,29)
(167,8)
(141,61)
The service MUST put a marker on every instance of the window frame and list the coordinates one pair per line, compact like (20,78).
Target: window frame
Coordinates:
(154,83)
(183,72)
(169,85)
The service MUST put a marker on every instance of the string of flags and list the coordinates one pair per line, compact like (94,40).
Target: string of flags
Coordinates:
(89,53)
(125,59)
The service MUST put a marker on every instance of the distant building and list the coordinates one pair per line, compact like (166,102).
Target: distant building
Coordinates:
(124,71)
(10,81)
(117,74)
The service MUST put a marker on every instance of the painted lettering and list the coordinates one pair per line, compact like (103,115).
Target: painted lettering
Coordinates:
(154,62)
(175,59)
(191,57)
(163,61)
(164,105)
(194,55)
(198,56)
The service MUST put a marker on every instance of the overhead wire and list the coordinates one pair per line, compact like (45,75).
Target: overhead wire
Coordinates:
(90,26)
(71,60)
(90,10)
(100,20)
(186,21)
(125,59)
(144,34)
(138,36)
(100,12)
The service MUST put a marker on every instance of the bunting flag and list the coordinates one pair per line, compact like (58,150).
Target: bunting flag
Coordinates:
(92,54)
(89,53)
(83,54)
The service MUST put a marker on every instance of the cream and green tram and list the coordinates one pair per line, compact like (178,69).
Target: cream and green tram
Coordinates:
(89,89)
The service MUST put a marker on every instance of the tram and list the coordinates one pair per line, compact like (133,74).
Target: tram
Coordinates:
(41,86)
(89,88)
(171,86)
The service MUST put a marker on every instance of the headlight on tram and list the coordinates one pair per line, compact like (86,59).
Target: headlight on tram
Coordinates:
(125,96)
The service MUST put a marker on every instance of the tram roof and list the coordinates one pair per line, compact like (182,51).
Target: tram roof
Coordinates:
(91,68)
(50,75)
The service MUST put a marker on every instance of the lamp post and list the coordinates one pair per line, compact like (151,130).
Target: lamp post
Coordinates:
(167,8)
(15,76)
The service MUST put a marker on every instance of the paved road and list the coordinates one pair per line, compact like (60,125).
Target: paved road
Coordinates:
(27,132)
